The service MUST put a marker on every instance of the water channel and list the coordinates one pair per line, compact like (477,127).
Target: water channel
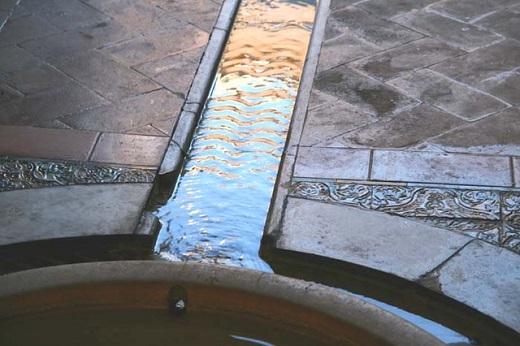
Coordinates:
(219,206)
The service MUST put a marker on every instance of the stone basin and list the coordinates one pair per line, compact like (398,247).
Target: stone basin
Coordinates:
(152,303)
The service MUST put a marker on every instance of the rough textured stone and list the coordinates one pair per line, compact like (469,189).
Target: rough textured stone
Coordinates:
(8,94)
(67,14)
(129,114)
(505,86)
(450,96)
(70,211)
(332,163)
(130,149)
(49,104)
(400,60)
(106,77)
(343,49)
(137,16)
(27,73)
(498,134)
(198,13)
(363,93)
(175,72)
(402,130)
(152,47)
(470,10)
(26,28)
(55,47)
(21,141)
(377,31)
(391,8)
(486,278)
(331,120)
(482,64)
(441,168)
(372,239)
(516,168)
(505,22)
(461,35)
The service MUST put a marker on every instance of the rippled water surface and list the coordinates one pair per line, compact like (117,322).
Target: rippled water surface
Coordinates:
(218,210)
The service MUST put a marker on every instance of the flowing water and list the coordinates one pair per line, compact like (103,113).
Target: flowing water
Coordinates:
(219,206)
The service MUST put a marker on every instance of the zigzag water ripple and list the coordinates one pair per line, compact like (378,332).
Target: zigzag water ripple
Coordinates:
(220,203)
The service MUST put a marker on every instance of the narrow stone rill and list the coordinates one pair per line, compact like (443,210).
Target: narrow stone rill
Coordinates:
(219,206)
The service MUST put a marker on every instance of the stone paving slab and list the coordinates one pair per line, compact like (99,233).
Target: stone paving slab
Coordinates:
(486,278)
(428,90)
(371,239)
(61,212)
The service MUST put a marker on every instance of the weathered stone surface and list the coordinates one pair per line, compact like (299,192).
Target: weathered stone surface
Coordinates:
(8,94)
(106,77)
(405,129)
(337,4)
(470,10)
(331,120)
(377,31)
(129,114)
(199,13)
(482,64)
(7,5)
(137,16)
(498,134)
(343,49)
(130,149)
(486,278)
(333,163)
(49,104)
(71,211)
(367,238)
(46,143)
(156,46)
(27,73)
(67,14)
(391,8)
(505,22)
(445,94)
(175,72)
(516,168)
(26,28)
(363,93)
(55,47)
(461,35)
(427,167)
(397,61)
(20,11)
(505,86)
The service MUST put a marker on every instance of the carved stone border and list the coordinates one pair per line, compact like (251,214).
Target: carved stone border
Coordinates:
(493,216)
(18,174)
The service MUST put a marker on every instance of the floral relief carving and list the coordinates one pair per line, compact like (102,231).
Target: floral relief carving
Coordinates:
(22,174)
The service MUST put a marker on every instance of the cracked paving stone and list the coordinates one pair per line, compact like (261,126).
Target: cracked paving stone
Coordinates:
(397,61)
(496,134)
(505,22)
(106,77)
(27,73)
(448,95)
(67,14)
(50,104)
(505,86)
(374,30)
(366,94)
(403,130)
(391,8)
(156,46)
(331,120)
(25,29)
(461,35)
(129,114)
(482,64)
(470,10)
(343,49)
